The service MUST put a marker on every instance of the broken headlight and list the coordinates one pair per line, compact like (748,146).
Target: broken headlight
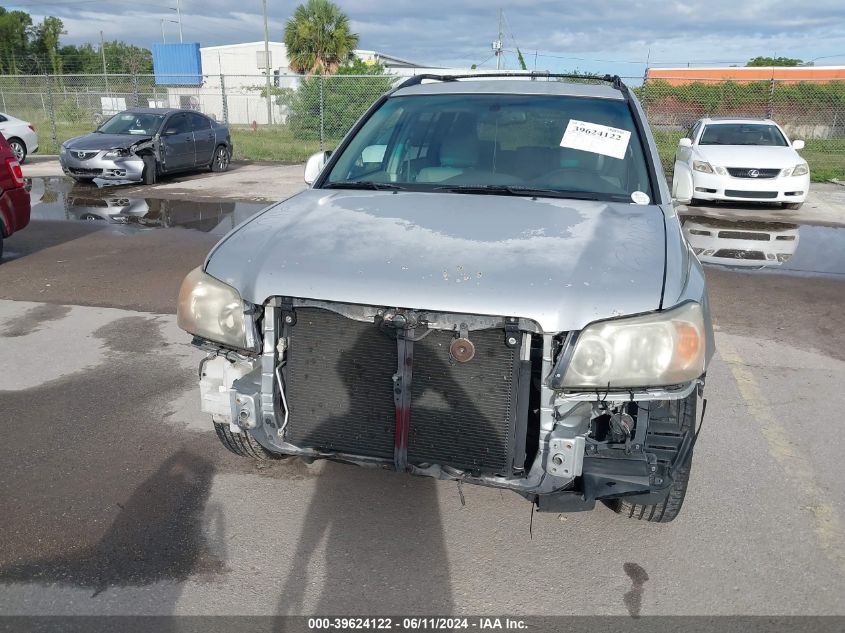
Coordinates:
(652,350)
(116,153)
(210,309)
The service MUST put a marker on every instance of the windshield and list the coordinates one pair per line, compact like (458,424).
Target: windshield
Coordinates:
(520,144)
(142,123)
(742,134)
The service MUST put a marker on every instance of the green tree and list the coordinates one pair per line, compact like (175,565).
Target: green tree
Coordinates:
(14,40)
(346,96)
(318,38)
(47,35)
(774,61)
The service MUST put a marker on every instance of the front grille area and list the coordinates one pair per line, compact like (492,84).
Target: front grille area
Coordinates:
(731,253)
(755,195)
(80,171)
(462,414)
(743,172)
(339,384)
(744,235)
(339,387)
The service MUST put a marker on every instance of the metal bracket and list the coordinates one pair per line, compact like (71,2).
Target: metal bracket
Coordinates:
(288,315)
(566,456)
(512,337)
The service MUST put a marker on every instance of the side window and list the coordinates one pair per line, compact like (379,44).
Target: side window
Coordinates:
(693,130)
(199,123)
(178,124)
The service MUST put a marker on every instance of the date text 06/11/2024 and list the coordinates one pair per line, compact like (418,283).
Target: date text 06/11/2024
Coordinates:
(416,623)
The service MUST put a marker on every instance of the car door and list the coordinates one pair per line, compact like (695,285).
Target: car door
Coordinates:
(203,138)
(177,140)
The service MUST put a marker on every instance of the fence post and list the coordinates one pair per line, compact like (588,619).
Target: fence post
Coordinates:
(223,97)
(3,99)
(322,118)
(135,96)
(770,108)
(51,111)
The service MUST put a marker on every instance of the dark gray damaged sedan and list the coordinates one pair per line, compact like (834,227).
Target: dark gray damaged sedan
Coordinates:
(142,143)
(486,282)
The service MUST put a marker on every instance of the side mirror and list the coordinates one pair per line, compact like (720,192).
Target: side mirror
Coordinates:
(685,142)
(315,165)
(796,145)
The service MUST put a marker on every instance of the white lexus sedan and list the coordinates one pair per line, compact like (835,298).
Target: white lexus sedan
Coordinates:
(21,136)
(742,160)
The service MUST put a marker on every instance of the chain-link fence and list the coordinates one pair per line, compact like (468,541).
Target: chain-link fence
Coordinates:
(291,116)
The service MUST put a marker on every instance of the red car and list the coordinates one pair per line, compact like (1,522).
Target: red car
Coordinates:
(14,199)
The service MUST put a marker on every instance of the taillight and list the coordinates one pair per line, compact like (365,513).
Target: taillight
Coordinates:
(15,171)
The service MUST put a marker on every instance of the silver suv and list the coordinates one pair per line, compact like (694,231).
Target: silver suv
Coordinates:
(486,282)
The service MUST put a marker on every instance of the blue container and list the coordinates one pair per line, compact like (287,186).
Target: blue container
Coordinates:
(177,64)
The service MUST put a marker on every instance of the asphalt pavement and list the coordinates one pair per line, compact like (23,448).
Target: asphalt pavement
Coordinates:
(118,499)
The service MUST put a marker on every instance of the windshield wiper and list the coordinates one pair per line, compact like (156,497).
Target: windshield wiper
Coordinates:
(362,184)
(518,190)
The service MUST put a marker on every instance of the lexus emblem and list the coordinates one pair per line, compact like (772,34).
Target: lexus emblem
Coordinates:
(753,173)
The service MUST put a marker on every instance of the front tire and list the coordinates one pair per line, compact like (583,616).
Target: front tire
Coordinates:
(221,160)
(243,444)
(19,149)
(678,420)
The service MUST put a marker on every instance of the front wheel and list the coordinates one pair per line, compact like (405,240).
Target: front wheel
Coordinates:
(19,149)
(668,425)
(221,160)
(243,444)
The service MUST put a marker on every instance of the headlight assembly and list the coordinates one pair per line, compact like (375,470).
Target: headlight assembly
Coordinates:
(116,153)
(652,350)
(801,169)
(702,166)
(210,309)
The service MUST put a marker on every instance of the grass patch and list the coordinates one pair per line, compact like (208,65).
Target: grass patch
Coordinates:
(273,143)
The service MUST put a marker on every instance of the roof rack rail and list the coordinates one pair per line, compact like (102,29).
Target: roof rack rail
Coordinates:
(614,80)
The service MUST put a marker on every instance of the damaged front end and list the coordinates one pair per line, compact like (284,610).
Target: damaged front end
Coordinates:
(114,163)
(478,399)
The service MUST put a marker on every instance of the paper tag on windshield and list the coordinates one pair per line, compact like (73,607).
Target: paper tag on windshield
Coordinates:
(599,139)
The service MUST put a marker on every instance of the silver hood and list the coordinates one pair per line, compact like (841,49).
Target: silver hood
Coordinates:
(563,263)
(95,140)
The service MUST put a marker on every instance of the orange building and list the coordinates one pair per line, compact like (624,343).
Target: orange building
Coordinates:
(788,74)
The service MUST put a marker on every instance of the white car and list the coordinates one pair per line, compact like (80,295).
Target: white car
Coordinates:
(741,160)
(20,134)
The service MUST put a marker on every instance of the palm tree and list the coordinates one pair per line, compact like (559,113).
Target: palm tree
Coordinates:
(318,38)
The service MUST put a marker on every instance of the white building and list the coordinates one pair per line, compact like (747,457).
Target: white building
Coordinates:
(238,72)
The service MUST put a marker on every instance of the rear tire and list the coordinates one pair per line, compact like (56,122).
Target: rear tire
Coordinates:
(243,444)
(222,158)
(680,420)
(1,246)
(792,206)
(19,149)
(150,172)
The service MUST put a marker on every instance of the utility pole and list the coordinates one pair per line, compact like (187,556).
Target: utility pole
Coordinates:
(179,17)
(163,39)
(103,51)
(497,45)
(267,63)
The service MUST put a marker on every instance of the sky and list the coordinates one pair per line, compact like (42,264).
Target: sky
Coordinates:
(614,36)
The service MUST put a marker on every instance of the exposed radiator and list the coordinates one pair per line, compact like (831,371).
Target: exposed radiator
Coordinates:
(339,386)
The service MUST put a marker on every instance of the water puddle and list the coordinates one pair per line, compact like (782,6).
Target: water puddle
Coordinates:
(63,199)
(729,240)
